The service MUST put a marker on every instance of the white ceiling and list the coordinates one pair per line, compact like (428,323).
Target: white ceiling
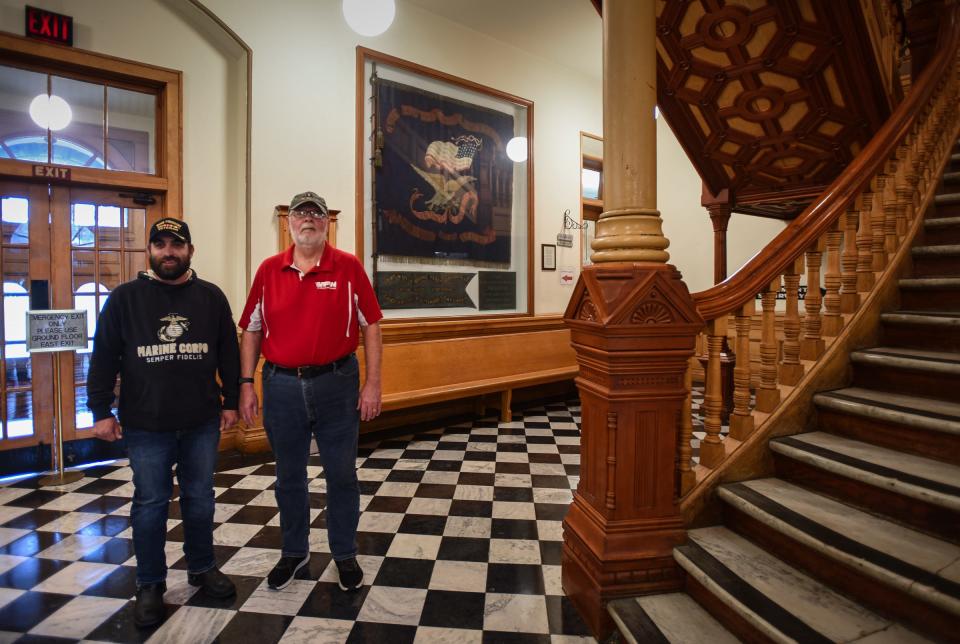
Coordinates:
(567,32)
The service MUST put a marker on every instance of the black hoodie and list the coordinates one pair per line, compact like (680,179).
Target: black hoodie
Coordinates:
(167,342)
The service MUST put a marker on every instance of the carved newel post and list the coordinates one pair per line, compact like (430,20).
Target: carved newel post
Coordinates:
(633,326)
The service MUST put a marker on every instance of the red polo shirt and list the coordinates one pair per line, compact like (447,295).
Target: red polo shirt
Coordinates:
(310,318)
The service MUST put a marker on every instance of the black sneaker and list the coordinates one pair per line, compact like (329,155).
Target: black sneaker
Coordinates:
(214,583)
(351,575)
(285,570)
(148,609)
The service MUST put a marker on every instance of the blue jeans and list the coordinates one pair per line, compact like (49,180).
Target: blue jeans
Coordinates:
(152,456)
(323,407)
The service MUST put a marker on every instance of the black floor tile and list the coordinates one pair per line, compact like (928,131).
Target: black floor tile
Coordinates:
(517,579)
(365,632)
(328,601)
(464,549)
(255,627)
(404,573)
(453,609)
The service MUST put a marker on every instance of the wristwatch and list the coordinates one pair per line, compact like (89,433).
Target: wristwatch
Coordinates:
(243,381)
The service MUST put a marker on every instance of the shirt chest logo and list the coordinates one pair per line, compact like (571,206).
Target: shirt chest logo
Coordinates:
(330,285)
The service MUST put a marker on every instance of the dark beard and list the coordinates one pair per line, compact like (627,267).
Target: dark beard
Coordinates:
(168,272)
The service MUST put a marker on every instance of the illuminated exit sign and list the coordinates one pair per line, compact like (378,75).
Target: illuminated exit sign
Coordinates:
(46,25)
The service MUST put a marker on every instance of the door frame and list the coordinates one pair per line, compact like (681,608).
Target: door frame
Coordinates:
(166,186)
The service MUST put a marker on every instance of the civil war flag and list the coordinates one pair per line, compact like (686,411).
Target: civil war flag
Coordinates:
(444,186)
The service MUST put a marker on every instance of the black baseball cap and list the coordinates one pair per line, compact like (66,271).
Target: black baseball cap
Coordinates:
(176,227)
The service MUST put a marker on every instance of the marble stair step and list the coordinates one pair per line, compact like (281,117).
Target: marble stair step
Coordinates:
(941,260)
(921,372)
(939,330)
(908,565)
(776,599)
(941,230)
(909,411)
(942,362)
(916,477)
(946,199)
(926,251)
(930,283)
(673,618)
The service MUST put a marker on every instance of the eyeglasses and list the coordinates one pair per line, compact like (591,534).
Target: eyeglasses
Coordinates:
(312,214)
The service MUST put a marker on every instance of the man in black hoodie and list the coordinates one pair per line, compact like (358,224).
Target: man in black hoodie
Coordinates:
(168,334)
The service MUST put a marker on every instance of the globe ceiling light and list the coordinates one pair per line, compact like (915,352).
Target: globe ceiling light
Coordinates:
(517,149)
(369,17)
(50,112)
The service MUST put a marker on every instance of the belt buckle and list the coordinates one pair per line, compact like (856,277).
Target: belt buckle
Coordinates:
(300,372)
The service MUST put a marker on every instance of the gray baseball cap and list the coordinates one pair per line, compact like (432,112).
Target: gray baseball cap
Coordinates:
(309,197)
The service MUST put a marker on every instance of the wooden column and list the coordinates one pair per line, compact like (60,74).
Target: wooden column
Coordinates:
(633,325)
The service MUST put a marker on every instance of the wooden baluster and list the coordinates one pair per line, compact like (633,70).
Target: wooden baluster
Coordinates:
(902,188)
(890,211)
(812,345)
(687,476)
(790,368)
(849,298)
(832,320)
(878,257)
(711,448)
(768,395)
(913,171)
(741,419)
(865,277)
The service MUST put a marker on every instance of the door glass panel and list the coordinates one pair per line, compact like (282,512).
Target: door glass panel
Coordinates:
(134,229)
(135,262)
(17,381)
(109,269)
(13,215)
(83,221)
(108,226)
(21,136)
(78,111)
(131,130)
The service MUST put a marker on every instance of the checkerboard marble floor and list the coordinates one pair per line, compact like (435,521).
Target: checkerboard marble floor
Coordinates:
(460,540)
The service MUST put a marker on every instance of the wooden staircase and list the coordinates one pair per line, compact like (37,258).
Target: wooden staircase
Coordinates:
(856,537)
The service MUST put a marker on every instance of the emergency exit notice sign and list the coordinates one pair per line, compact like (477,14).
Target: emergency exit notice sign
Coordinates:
(56,330)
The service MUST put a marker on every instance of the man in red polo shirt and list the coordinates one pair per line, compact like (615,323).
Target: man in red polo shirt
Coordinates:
(306,310)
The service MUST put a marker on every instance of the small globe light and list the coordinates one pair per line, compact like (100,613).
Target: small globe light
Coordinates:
(369,17)
(517,149)
(50,112)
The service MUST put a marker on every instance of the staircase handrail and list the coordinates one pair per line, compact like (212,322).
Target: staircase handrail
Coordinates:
(784,249)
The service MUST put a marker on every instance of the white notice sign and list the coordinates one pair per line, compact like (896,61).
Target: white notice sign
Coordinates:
(57,330)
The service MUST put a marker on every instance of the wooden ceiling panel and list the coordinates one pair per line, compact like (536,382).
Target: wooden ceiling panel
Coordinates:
(760,92)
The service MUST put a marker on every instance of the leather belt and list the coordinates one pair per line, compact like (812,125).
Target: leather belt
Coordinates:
(311,371)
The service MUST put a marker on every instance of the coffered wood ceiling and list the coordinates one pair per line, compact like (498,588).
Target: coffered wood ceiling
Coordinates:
(771,99)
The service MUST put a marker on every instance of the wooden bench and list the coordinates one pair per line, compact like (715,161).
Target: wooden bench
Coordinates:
(420,371)
(431,371)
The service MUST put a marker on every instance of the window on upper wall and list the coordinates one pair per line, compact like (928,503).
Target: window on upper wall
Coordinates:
(45,118)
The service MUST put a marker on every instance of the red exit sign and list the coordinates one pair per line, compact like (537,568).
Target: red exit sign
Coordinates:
(47,25)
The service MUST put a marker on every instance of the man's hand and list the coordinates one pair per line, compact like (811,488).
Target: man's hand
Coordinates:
(228,418)
(107,429)
(249,405)
(369,403)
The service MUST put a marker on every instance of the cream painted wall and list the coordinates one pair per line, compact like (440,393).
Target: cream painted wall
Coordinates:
(304,113)
(303,125)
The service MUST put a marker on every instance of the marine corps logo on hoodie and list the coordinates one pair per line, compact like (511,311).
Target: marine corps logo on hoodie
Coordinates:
(175,327)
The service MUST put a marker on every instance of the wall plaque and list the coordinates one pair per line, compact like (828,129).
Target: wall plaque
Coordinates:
(498,290)
(416,289)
